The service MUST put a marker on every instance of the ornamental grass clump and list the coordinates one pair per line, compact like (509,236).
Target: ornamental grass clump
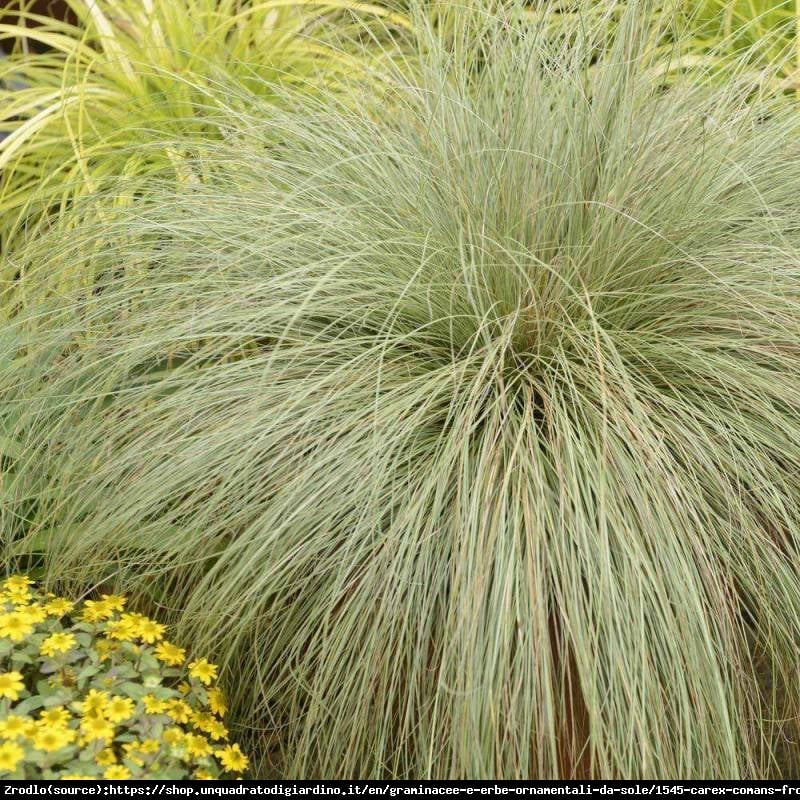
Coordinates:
(462,426)
(92,691)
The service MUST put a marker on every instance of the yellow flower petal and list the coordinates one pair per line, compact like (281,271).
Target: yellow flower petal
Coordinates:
(232,758)
(204,671)
(10,756)
(11,685)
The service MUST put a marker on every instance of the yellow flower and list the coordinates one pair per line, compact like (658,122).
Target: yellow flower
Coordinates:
(94,703)
(115,602)
(184,688)
(117,773)
(200,719)
(51,739)
(203,775)
(216,730)
(17,583)
(58,607)
(10,756)
(11,685)
(97,727)
(57,643)
(131,754)
(96,610)
(121,629)
(173,737)
(14,626)
(33,615)
(56,717)
(233,758)
(203,670)
(119,709)
(146,747)
(178,710)
(18,596)
(105,648)
(14,726)
(210,725)
(17,587)
(198,745)
(75,776)
(107,757)
(147,629)
(217,702)
(152,705)
(170,654)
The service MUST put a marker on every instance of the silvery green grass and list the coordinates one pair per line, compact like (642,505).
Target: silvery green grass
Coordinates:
(461,423)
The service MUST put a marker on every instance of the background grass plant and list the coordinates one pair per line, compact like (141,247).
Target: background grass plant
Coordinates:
(706,38)
(719,36)
(462,428)
(131,72)
(135,72)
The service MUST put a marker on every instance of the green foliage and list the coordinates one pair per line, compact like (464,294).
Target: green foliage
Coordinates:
(719,37)
(132,72)
(89,691)
(461,423)
(153,72)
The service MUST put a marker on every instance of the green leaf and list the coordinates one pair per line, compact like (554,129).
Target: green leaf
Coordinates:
(9,447)
(89,672)
(29,705)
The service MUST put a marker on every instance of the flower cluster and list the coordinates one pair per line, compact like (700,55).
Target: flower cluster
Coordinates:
(90,691)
